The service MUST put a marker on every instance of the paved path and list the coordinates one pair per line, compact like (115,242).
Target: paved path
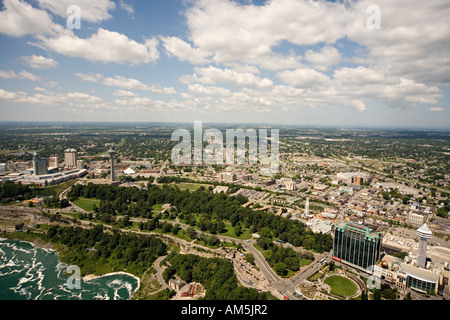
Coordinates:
(159,272)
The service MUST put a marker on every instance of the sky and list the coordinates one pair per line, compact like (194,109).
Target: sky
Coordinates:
(317,63)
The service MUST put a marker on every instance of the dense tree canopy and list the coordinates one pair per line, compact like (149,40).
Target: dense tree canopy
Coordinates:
(213,209)
(91,248)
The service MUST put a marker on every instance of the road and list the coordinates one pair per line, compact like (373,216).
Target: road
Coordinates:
(159,272)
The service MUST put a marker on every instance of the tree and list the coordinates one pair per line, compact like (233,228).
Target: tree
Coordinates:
(175,229)
(249,257)
(331,266)
(237,230)
(280,268)
(377,294)
(363,295)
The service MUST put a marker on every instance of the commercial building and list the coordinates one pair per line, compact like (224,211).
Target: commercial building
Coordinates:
(70,158)
(403,274)
(40,165)
(356,245)
(416,219)
(81,164)
(53,161)
(320,226)
(418,279)
(290,185)
(228,177)
(51,179)
(344,189)
(357,178)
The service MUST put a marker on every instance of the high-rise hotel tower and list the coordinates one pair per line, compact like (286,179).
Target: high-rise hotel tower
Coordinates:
(356,245)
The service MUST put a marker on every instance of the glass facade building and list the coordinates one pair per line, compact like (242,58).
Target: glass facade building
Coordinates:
(421,285)
(420,279)
(356,245)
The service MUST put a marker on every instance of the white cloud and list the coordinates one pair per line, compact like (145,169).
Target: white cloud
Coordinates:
(19,18)
(211,90)
(248,33)
(50,98)
(104,46)
(124,93)
(412,41)
(126,6)
(39,62)
(21,75)
(436,109)
(134,84)
(212,74)
(176,47)
(91,77)
(361,76)
(322,60)
(304,78)
(90,10)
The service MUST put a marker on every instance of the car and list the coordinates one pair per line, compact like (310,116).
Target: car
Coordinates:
(286,298)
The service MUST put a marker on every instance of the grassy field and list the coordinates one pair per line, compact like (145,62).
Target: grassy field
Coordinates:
(87,204)
(245,235)
(341,286)
(304,262)
(191,186)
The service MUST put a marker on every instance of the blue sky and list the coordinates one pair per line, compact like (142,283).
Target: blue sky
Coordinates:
(280,61)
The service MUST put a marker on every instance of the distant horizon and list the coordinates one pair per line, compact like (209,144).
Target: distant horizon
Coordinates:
(254,124)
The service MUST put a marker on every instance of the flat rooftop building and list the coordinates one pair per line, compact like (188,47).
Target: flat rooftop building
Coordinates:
(419,279)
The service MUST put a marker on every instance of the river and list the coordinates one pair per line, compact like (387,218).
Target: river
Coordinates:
(31,273)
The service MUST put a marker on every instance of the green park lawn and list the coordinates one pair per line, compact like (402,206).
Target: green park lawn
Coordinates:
(341,286)
(87,204)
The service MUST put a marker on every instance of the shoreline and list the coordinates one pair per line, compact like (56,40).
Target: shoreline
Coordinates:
(39,243)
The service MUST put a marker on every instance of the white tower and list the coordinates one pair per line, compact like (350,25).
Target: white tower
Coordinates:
(424,234)
(307,208)
(111,154)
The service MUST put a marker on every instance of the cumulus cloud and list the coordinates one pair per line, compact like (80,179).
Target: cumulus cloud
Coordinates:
(90,10)
(91,77)
(21,75)
(231,31)
(49,98)
(39,62)
(182,50)
(304,77)
(212,75)
(105,46)
(322,60)
(436,109)
(20,18)
(134,84)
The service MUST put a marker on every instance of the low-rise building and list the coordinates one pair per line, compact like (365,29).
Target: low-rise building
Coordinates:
(416,219)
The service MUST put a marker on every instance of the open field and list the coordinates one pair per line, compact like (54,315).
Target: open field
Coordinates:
(87,204)
(341,286)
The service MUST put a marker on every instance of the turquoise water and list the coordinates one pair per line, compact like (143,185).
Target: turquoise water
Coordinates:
(31,273)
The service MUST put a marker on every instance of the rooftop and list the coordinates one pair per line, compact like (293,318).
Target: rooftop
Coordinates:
(419,273)
(424,231)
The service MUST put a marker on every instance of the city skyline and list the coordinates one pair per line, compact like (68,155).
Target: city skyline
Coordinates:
(227,61)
